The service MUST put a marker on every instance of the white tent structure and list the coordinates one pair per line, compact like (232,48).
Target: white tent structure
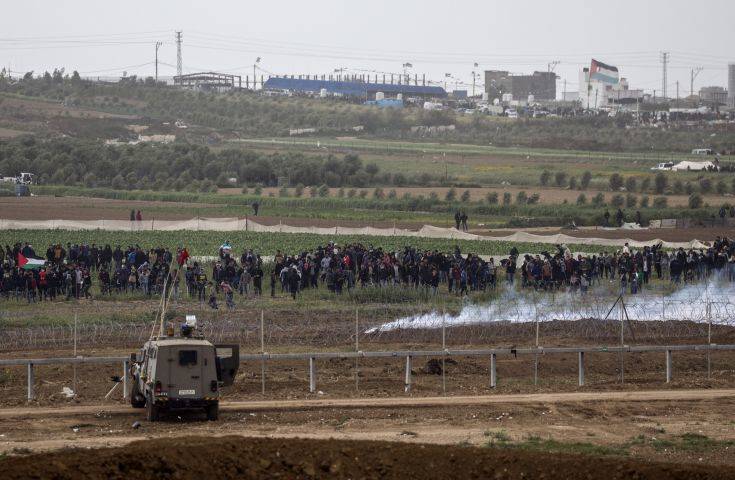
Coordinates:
(687,166)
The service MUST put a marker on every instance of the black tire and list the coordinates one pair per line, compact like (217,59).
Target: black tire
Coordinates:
(212,411)
(137,400)
(151,410)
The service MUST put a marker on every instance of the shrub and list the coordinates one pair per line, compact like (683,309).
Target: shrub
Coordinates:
(363,193)
(465,196)
(572,183)
(544,178)
(341,192)
(598,200)
(705,185)
(560,179)
(313,191)
(616,182)
(645,201)
(695,201)
(351,193)
(258,190)
(582,199)
(451,195)
(299,190)
(521,198)
(378,194)
(492,198)
(688,188)
(534,199)
(646,184)
(631,200)
(586,179)
(244,190)
(393,194)
(660,202)
(630,184)
(721,187)
(678,187)
(506,198)
(617,201)
(283,192)
(660,183)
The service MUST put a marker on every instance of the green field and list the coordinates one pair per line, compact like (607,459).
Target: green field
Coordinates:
(206,243)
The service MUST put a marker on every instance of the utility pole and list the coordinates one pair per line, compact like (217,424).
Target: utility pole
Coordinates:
(694,73)
(677,93)
(665,63)
(158,44)
(178,54)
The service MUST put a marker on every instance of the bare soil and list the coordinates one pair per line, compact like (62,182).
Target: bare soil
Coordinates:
(82,208)
(308,440)
(237,457)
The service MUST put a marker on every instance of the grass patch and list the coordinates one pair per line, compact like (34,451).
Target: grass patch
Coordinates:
(537,444)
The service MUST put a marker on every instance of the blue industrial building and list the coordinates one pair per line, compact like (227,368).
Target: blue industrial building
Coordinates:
(363,90)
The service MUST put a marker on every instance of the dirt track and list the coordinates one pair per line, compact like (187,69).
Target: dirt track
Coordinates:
(403,402)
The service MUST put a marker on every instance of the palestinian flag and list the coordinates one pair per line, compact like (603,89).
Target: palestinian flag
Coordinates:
(29,263)
(604,73)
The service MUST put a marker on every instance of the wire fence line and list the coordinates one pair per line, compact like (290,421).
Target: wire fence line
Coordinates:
(523,319)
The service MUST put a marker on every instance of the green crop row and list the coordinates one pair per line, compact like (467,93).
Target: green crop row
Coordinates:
(207,242)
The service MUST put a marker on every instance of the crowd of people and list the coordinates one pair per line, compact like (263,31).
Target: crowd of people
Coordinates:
(70,271)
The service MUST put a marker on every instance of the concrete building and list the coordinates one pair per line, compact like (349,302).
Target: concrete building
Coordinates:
(539,85)
(713,95)
(600,87)
(731,84)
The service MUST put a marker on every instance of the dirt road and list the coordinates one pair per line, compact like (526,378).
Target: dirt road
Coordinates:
(404,402)
(684,426)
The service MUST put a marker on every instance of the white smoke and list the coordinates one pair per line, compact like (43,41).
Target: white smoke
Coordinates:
(713,302)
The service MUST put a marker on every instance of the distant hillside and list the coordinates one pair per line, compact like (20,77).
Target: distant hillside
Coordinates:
(95,110)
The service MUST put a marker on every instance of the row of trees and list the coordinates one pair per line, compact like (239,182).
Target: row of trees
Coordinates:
(184,166)
(659,185)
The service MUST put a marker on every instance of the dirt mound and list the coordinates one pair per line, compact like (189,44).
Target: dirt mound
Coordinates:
(238,457)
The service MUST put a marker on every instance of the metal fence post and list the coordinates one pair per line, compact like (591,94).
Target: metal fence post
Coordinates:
(125,380)
(669,366)
(30,381)
(312,375)
(407,384)
(493,374)
(581,369)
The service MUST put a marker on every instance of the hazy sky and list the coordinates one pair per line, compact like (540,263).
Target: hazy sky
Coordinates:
(296,36)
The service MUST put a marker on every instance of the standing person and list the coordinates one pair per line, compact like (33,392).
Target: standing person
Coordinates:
(138,217)
(229,294)
(257,275)
(606,217)
(132,215)
(273,284)
(457,219)
(638,218)
(464,221)
(256,207)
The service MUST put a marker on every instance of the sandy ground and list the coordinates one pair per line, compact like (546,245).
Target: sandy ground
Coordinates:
(606,418)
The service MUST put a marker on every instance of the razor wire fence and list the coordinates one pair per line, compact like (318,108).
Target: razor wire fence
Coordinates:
(527,319)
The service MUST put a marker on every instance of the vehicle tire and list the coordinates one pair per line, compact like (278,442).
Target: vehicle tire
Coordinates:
(137,400)
(212,411)
(151,410)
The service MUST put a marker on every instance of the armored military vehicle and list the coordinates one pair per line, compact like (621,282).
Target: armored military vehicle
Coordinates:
(183,372)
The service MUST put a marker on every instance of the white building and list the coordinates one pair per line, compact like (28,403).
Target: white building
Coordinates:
(600,87)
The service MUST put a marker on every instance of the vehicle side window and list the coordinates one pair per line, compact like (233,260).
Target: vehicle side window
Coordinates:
(187,357)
